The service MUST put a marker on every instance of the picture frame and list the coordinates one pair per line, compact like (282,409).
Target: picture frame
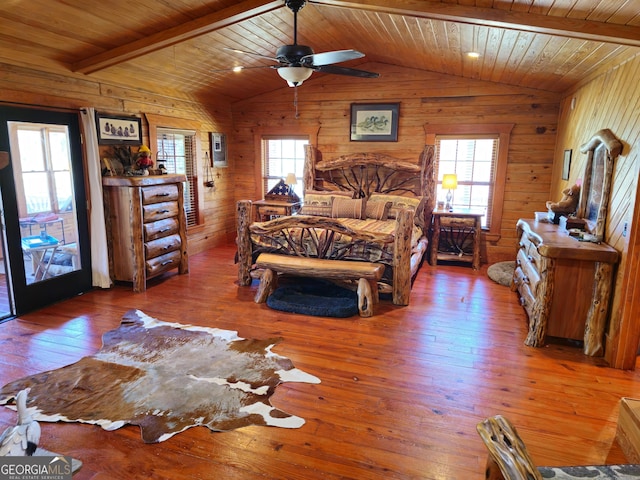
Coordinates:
(374,122)
(116,130)
(566,164)
(218,142)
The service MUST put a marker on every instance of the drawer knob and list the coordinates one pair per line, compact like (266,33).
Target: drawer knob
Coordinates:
(168,262)
(163,194)
(163,211)
(166,229)
(167,247)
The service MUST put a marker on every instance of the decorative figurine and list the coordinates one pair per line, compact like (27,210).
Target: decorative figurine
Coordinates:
(144,162)
(21,440)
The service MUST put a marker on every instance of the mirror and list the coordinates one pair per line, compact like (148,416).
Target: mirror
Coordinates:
(601,150)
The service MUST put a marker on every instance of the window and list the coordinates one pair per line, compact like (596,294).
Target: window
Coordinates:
(480,181)
(473,160)
(177,152)
(281,156)
(42,153)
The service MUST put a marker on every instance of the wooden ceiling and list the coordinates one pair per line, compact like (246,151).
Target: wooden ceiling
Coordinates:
(178,46)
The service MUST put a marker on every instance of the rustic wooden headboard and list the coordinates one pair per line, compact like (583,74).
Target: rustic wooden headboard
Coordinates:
(367,173)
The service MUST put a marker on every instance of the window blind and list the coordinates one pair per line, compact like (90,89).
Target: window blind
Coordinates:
(281,156)
(176,150)
(473,159)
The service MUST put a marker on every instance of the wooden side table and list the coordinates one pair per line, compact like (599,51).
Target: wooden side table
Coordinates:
(456,237)
(265,209)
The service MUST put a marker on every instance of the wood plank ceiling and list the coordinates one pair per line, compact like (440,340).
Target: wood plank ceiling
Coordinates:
(178,46)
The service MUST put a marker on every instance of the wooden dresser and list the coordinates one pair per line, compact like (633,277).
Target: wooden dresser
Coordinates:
(564,285)
(146,227)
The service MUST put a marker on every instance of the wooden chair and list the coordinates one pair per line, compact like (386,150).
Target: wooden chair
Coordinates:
(509,459)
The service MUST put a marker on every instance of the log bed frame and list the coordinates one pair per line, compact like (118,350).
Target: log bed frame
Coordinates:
(365,174)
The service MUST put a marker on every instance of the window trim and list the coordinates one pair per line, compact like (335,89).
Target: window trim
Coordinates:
(160,121)
(503,130)
(260,133)
(263,167)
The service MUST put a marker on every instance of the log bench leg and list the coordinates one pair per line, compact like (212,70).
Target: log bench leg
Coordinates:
(367,297)
(268,283)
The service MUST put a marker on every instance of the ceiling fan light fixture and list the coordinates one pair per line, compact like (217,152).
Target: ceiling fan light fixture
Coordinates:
(295,75)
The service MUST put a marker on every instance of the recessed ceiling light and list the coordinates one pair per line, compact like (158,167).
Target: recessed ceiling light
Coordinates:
(238,69)
(473,54)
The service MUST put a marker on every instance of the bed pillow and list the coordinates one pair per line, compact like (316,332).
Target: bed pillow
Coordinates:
(323,197)
(317,210)
(348,208)
(398,202)
(378,210)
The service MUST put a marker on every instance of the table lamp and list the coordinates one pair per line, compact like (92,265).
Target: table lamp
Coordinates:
(291,180)
(450,183)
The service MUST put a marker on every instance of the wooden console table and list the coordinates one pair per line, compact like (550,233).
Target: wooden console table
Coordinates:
(456,237)
(564,284)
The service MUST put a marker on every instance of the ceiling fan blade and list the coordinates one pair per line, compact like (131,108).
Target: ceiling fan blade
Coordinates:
(253,54)
(345,71)
(328,58)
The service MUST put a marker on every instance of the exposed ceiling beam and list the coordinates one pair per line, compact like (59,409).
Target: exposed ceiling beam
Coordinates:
(492,17)
(239,12)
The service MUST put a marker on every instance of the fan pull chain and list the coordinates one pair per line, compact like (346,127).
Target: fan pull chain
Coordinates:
(295,101)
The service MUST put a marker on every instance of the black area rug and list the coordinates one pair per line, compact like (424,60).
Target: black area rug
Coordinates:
(314,297)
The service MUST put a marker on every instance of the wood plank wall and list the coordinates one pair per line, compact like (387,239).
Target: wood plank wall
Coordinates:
(32,87)
(611,101)
(425,97)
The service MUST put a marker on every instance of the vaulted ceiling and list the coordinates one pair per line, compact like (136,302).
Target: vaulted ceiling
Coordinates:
(181,47)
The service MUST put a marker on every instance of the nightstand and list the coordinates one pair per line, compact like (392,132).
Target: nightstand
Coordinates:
(265,209)
(456,237)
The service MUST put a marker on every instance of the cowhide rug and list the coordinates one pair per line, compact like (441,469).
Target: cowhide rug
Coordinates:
(165,378)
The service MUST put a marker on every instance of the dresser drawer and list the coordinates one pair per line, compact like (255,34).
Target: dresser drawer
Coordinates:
(163,245)
(159,193)
(159,211)
(161,228)
(530,249)
(527,299)
(272,211)
(530,273)
(460,222)
(158,265)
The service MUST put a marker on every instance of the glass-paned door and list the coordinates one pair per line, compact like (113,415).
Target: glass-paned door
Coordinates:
(45,208)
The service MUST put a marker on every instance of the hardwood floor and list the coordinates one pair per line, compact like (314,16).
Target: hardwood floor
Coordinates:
(400,396)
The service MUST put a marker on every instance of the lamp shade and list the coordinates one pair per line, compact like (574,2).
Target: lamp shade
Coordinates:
(295,75)
(291,179)
(449,181)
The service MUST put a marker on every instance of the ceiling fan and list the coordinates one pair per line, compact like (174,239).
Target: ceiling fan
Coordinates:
(296,62)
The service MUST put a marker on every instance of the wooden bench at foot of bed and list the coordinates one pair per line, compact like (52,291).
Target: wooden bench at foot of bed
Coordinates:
(367,274)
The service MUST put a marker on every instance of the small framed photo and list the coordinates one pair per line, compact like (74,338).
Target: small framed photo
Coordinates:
(566,165)
(219,149)
(374,122)
(113,130)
